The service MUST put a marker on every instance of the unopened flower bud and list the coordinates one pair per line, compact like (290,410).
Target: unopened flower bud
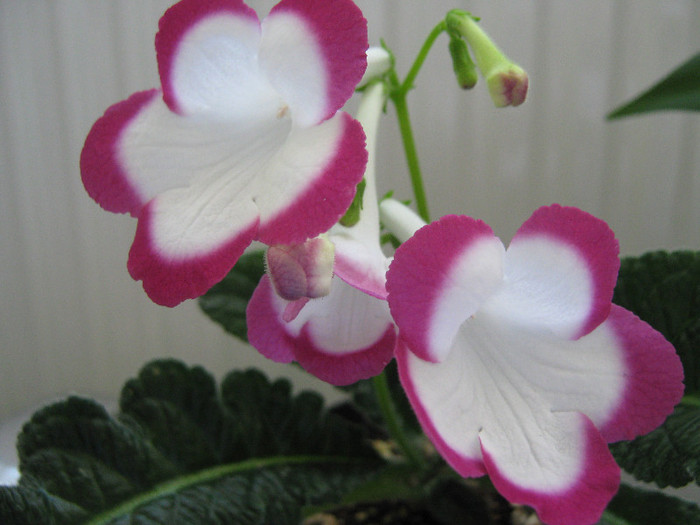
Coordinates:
(301,270)
(507,82)
(462,63)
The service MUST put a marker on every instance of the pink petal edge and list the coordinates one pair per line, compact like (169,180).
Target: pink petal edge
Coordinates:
(593,239)
(169,282)
(173,28)
(341,31)
(582,503)
(266,332)
(464,465)
(421,264)
(363,280)
(332,192)
(348,368)
(654,378)
(103,175)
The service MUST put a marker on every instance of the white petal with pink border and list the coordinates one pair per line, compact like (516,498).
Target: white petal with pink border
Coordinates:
(314,53)
(453,265)
(341,338)
(208,61)
(481,399)
(560,272)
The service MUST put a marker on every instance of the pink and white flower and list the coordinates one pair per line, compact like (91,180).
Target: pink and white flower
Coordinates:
(244,141)
(518,365)
(347,335)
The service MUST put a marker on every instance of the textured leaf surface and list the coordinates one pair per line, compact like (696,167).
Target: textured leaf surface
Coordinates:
(26,505)
(680,90)
(634,506)
(271,492)
(226,301)
(668,456)
(181,451)
(664,290)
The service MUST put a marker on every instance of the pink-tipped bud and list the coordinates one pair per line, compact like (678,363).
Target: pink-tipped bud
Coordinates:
(301,270)
(507,82)
(508,85)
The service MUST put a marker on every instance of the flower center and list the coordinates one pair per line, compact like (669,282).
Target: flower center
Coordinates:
(283,111)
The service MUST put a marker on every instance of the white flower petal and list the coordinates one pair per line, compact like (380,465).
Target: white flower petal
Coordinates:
(160,150)
(560,271)
(314,54)
(208,61)
(439,278)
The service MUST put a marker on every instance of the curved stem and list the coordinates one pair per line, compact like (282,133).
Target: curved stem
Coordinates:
(396,431)
(422,55)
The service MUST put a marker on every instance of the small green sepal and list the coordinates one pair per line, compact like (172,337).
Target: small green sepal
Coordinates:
(352,216)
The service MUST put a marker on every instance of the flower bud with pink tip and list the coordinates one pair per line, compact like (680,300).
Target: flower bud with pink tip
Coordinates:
(507,81)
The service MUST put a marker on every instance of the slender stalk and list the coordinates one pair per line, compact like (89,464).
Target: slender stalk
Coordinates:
(422,55)
(396,430)
(399,92)
(409,146)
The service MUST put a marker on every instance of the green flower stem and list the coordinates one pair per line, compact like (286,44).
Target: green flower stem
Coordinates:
(399,91)
(407,84)
(409,146)
(391,416)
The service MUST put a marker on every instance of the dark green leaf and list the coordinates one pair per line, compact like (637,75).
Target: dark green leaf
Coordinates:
(179,409)
(28,505)
(181,453)
(634,506)
(669,455)
(78,451)
(225,303)
(257,492)
(663,289)
(680,90)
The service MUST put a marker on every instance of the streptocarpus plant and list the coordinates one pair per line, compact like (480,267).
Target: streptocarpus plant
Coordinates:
(518,367)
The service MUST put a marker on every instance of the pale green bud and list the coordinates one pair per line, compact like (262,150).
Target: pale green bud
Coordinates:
(507,82)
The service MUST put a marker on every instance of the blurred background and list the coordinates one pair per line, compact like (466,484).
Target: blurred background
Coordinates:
(73,321)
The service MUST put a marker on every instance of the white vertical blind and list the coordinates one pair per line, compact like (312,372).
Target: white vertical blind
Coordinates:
(71,319)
